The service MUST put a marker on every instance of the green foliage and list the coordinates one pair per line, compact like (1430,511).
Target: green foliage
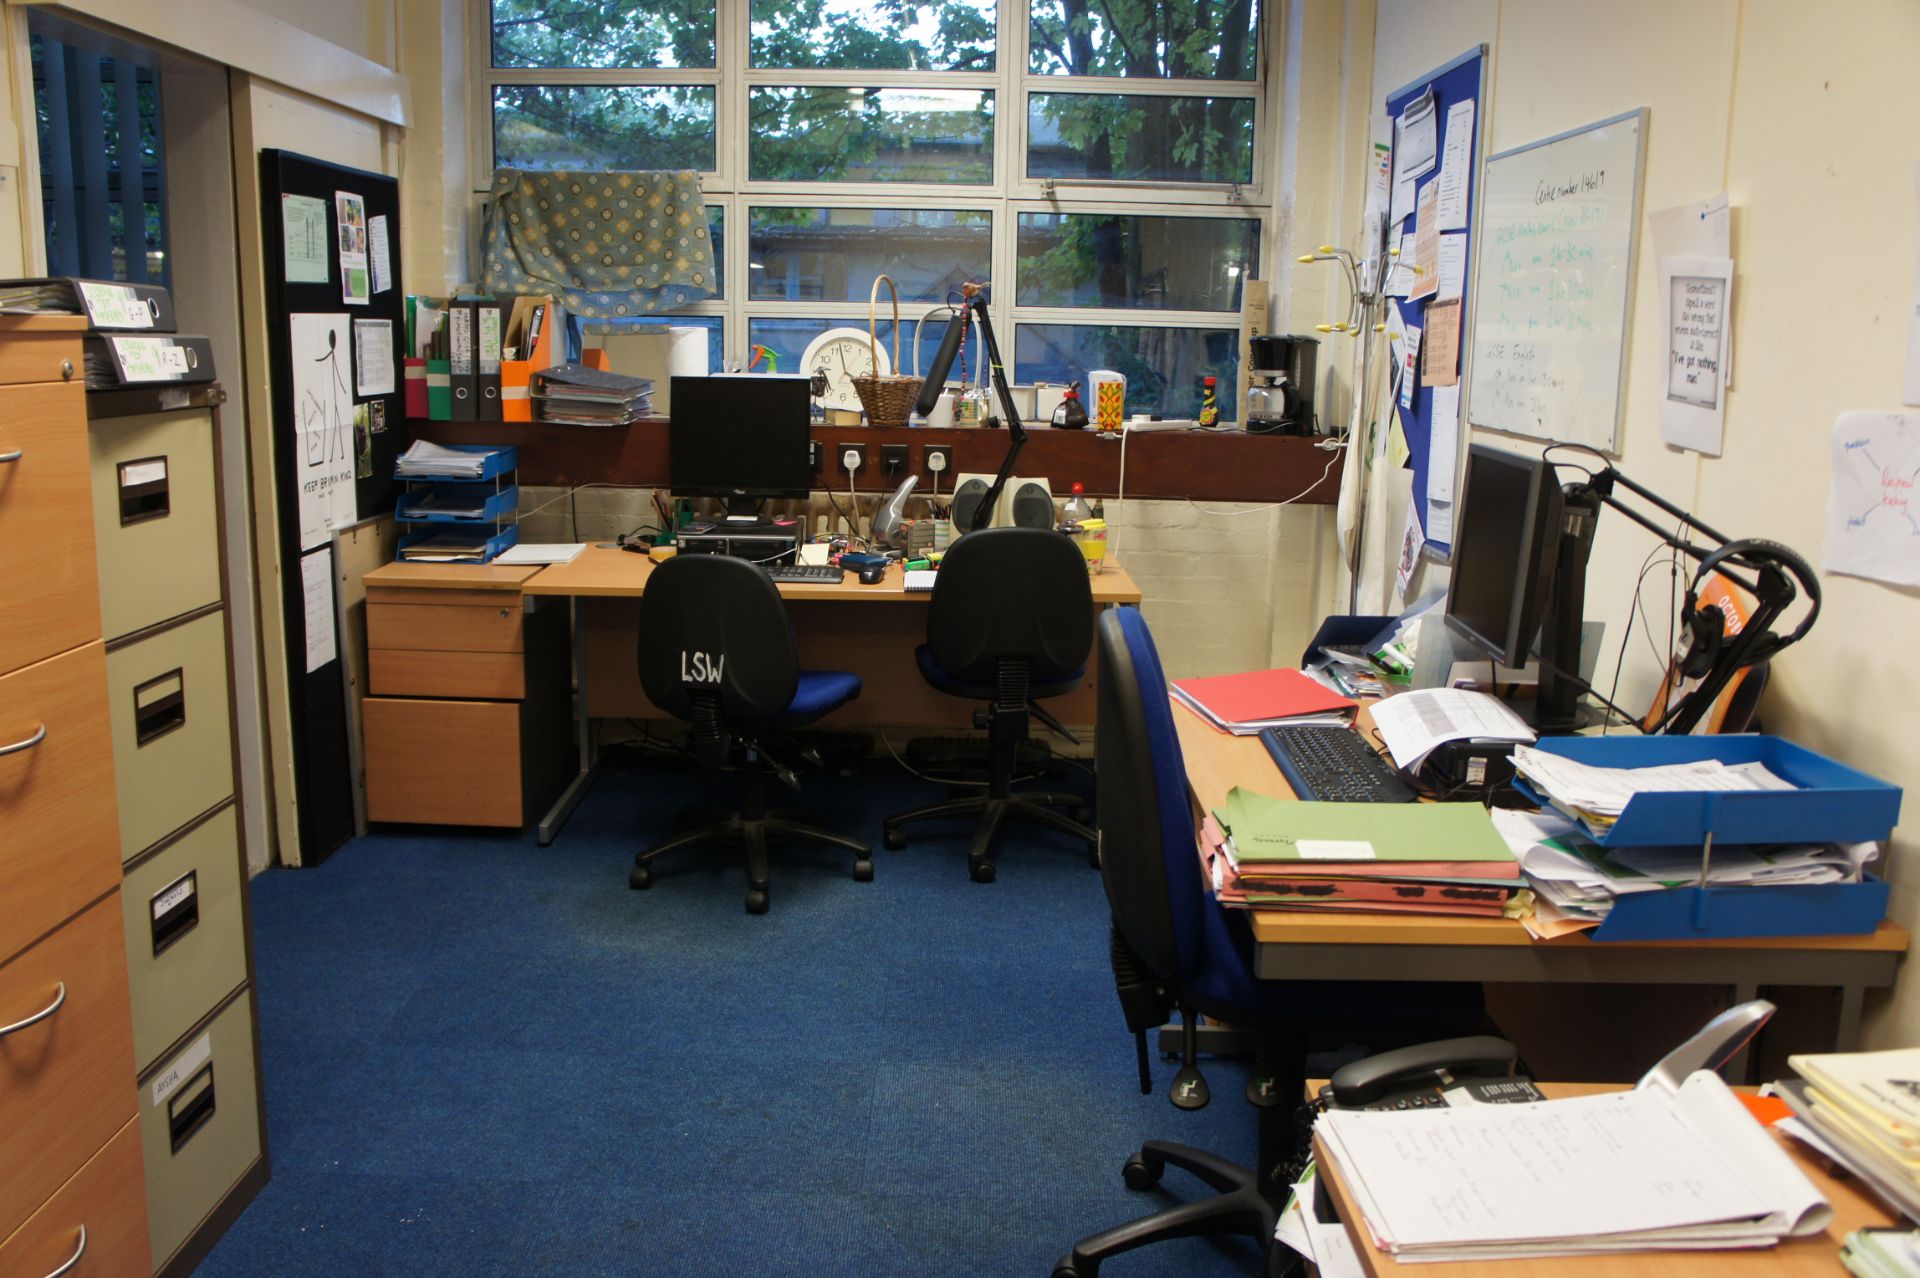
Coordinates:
(556,126)
(905,35)
(603,33)
(877,135)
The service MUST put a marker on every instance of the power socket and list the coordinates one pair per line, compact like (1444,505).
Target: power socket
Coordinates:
(893,458)
(858,462)
(938,458)
(815,455)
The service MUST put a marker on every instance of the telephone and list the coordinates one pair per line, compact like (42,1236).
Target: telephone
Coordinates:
(1457,1071)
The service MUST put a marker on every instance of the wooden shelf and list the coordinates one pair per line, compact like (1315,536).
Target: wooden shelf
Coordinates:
(1228,466)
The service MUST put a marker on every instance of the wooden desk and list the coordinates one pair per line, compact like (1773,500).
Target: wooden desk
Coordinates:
(875,641)
(1392,947)
(1818,1254)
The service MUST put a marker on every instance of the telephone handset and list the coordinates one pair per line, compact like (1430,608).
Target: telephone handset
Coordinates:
(1457,1071)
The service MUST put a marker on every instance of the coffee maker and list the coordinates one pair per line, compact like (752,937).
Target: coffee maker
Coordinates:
(1280,401)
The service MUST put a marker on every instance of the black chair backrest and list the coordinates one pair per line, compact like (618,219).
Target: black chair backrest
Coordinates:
(1011,592)
(1148,859)
(713,629)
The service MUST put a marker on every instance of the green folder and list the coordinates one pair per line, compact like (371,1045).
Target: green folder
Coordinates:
(1266,829)
(439,390)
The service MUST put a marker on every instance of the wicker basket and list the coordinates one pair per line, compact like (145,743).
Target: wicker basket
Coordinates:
(887,399)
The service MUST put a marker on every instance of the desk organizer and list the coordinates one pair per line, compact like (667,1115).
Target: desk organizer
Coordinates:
(499,499)
(1832,804)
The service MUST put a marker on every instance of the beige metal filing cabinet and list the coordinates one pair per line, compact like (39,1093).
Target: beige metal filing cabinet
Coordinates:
(156,530)
(70,1135)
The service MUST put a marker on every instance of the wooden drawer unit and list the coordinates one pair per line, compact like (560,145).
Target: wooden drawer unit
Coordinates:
(155,503)
(199,1127)
(58,833)
(66,1079)
(172,738)
(434,625)
(47,572)
(108,1200)
(449,762)
(186,933)
(497,676)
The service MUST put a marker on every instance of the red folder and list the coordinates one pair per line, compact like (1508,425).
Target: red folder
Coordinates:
(1259,696)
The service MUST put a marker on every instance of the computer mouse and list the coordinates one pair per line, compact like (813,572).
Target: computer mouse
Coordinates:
(873,574)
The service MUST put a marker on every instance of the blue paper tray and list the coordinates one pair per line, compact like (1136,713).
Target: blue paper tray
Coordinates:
(1817,909)
(495,544)
(498,505)
(501,459)
(1833,804)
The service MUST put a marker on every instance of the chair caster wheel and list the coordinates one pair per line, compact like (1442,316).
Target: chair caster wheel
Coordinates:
(1067,1269)
(894,840)
(1141,1174)
(756,902)
(640,878)
(863,871)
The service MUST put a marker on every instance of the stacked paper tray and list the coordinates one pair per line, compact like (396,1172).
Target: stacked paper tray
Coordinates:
(1831,804)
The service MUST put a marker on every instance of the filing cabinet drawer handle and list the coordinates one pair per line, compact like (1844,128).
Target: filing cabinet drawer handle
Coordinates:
(74,1259)
(13,455)
(39,735)
(59,997)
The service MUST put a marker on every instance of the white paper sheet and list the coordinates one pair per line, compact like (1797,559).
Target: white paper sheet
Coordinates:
(1912,393)
(316,586)
(1697,296)
(1453,267)
(1409,372)
(1873,523)
(1380,175)
(379,259)
(1443,442)
(373,361)
(303,229)
(1456,166)
(1411,541)
(322,423)
(1703,228)
(1440,521)
(1415,136)
(350,212)
(1414,723)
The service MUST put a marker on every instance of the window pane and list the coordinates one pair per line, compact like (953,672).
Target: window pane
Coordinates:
(557,126)
(1163,39)
(603,33)
(788,339)
(858,35)
(1163,366)
(809,255)
(1141,139)
(870,135)
(1100,259)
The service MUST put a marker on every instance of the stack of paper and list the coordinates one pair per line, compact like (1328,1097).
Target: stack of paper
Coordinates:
(445,503)
(1866,1107)
(1642,1170)
(448,547)
(426,460)
(575,395)
(1596,797)
(1392,858)
(1414,724)
(1577,881)
(1244,704)
(1882,1253)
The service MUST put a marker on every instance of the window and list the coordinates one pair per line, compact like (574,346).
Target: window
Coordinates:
(1097,160)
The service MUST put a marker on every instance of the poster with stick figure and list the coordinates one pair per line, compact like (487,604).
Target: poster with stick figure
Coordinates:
(323,423)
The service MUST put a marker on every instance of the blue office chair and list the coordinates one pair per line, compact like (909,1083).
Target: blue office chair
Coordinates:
(716,650)
(1010,622)
(1174,946)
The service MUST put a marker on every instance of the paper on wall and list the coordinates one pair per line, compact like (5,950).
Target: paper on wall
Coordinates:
(1872,529)
(1443,444)
(1453,267)
(1399,265)
(1426,243)
(1409,370)
(1440,521)
(380,260)
(1912,392)
(1380,174)
(1411,540)
(351,218)
(316,587)
(1696,294)
(303,232)
(1440,360)
(322,423)
(1455,167)
(1415,135)
(372,358)
(1703,228)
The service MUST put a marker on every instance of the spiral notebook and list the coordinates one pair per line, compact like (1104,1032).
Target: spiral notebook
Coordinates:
(920,579)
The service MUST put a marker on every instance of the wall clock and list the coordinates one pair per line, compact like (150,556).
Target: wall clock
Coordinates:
(841,354)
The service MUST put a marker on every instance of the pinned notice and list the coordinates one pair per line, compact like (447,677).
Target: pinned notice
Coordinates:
(1698,294)
(1872,529)
(1440,358)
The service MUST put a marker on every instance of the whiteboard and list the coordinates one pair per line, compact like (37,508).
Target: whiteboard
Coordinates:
(1559,229)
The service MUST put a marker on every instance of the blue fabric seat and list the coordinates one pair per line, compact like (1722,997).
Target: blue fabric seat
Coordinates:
(816,693)
(930,671)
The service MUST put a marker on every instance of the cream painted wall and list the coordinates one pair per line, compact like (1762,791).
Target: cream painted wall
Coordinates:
(1792,118)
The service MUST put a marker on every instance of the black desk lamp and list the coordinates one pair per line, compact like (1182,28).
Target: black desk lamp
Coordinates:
(974,302)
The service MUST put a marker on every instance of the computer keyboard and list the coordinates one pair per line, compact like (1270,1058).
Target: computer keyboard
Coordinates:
(815,573)
(1329,763)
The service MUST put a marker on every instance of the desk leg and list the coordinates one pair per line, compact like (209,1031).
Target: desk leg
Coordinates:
(589,757)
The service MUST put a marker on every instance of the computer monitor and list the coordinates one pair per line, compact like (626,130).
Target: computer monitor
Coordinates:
(742,437)
(1504,552)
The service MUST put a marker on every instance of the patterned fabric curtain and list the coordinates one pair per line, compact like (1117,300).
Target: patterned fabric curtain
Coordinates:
(609,245)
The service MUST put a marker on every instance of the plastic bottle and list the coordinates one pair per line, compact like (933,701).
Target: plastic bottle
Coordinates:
(1209,404)
(1077,511)
(1070,413)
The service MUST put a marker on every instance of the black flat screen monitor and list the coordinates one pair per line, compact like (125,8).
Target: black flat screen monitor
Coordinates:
(1504,552)
(743,437)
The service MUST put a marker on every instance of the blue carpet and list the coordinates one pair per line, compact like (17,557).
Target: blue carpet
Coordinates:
(487,1057)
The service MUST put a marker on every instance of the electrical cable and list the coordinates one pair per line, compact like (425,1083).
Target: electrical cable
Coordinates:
(1255,510)
(981,785)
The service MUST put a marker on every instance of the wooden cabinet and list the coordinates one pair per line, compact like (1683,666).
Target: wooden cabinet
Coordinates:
(468,720)
(67,1134)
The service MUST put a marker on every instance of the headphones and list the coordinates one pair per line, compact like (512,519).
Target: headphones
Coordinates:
(1706,629)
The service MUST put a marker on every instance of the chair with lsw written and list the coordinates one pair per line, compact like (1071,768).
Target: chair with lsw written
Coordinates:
(717,651)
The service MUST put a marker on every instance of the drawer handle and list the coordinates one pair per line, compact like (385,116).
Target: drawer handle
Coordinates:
(74,1259)
(59,997)
(13,456)
(39,735)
